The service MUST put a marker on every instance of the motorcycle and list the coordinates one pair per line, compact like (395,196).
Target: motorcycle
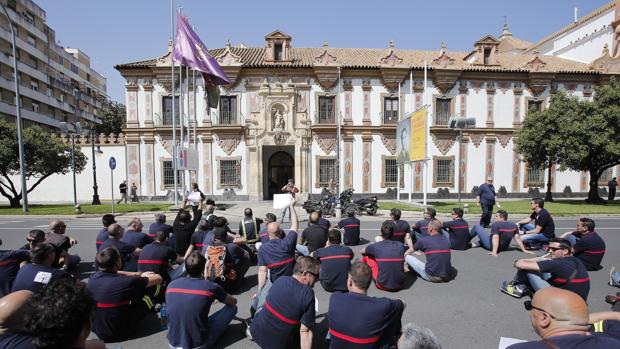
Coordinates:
(326,204)
(368,205)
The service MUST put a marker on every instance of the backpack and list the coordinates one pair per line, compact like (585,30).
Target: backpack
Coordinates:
(215,268)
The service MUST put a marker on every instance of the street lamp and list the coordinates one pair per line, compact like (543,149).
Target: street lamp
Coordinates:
(20,131)
(96,200)
(76,128)
(460,123)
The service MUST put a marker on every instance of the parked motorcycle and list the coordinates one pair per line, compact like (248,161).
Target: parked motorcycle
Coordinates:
(327,203)
(367,205)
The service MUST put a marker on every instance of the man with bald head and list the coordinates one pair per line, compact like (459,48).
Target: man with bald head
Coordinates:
(313,237)
(129,253)
(62,243)
(561,319)
(12,309)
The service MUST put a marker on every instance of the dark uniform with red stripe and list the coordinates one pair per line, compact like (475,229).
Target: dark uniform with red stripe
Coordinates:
(351,227)
(9,266)
(156,257)
(437,251)
(401,229)
(136,238)
(571,341)
(458,230)
(34,277)
(563,276)
(385,258)
(421,227)
(263,235)
(101,237)
(359,321)
(289,304)
(130,262)
(335,266)
(119,304)
(198,238)
(590,249)
(279,255)
(155,227)
(506,231)
(188,301)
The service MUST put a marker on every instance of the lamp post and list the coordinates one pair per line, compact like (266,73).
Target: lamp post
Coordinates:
(20,131)
(76,128)
(96,200)
(460,123)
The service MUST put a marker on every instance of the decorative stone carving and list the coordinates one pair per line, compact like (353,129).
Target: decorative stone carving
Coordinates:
(326,143)
(538,83)
(228,143)
(476,85)
(536,64)
(476,139)
(279,137)
(443,61)
(443,142)
(325,58)
(504,139)
(445,79)
(389,142)
(391,59)
(326,75)
(606,63)
(278,119)
(503,86)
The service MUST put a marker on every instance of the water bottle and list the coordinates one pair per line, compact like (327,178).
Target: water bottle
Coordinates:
(163,317)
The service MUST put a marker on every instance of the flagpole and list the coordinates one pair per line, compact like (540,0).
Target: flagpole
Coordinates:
(427,134)
(188,133)
(412,109)
(398,174)
(174,123)
(338,134)
(181,111)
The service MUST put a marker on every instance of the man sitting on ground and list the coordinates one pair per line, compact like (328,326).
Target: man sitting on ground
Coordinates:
(157,257)
(385,258)
(420,228)
(40,272)
(335,263)
(289,307)
(351,226)
(129,253)
(457,231)
(13,334)
(543,228)
(557,268)
(561,319)
(62,243)
(120,297)
(10,262)
(35,237)
(183,227)
(588,246)
(134,235)
(103,234)
(402,231)
(357,320)
(189,301)
(198,237)
(236,262)
(436,247)
(501,235)
(322,221)
(313,237)
(263,235)
(249,227)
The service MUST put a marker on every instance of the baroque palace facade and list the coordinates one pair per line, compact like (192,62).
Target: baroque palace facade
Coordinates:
(278,117)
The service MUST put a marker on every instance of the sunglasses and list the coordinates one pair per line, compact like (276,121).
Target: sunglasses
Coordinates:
(312,273)
(30,240)
(553,249)
(528,306)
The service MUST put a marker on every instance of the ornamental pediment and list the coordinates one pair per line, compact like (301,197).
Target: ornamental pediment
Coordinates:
(606,63)
(325,58)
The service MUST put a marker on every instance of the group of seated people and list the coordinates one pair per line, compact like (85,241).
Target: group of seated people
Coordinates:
(186,267)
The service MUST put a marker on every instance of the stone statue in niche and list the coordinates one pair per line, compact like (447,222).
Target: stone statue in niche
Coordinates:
(278,120)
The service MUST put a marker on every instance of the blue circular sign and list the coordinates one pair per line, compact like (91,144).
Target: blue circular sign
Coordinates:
(112,163)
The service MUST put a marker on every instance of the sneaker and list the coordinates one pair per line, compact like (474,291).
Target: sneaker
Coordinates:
(474,244)
(513,289)
(613,281)
(611,299)
(247,329)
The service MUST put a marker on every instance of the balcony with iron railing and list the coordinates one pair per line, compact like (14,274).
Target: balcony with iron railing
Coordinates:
(325,117)
(390,117)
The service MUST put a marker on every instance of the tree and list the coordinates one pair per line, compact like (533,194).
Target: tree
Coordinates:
(113,120)
(43,156)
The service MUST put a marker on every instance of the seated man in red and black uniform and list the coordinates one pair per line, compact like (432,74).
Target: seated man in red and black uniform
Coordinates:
(436,247)
(457,231)
(287,318)
(134,235)
(129,253)
(263,234)
(10,262)
(196,242)
(41,272)
(588,246)
(236,261)
(120,297)
(359,321)
(385,258)
(157,257)
(335,262)
(502,232)
(420,228)
(402,231)
(351,226)
(103,234)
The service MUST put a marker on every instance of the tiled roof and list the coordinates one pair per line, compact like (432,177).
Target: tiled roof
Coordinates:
(366,58)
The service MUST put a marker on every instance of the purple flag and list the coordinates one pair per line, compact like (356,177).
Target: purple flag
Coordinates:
(189,50)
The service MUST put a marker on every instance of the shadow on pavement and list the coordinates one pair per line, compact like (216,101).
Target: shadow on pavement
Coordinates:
(234,333)
(249,282)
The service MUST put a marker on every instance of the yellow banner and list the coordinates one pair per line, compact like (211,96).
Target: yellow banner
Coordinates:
(417,147)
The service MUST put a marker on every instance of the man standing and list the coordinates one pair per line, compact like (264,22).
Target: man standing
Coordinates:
(189,301)
(436,247)
(613,184)
(543,228)
(289,188)
(385,258)
(290,305)
(134,193)
(351,226)
(313,237)
(123,189)
(359,321)
(119,296)
(501,235)
(557,268)
(486,198)
(588,246)
(335,263)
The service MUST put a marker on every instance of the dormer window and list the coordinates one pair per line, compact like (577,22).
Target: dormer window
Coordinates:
(487,55)
(277,52)
(485,51)
(278,47)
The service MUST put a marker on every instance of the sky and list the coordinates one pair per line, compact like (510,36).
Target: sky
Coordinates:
(112,32)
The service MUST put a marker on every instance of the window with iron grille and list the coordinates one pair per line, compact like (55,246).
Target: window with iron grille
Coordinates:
(228,110)
(534,177)
(327,110)
(166,102)
(534,106)
(443,171)
(230,173)
(168,174)
(328,169)
(605,177)
(390,172)
(442,110)
(390,111)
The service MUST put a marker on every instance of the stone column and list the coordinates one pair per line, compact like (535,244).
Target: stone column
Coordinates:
(418,90)
(207,164)
(417,176)
(516,169)
(148,104)
(366,88)
(463,98)
(149,165)
(366,163)
(463,164)
(348,162)
(490,157)
(133,161)
(131,90)
(518,92)
(490,104)
(348,102)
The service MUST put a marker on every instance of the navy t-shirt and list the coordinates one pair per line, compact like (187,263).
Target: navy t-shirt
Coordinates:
(458,230)
(16,341)
(315,237)
(34,277)
(102,236)
(136,238)
(389,257)
(437,251)
(156,257)
(324,223)
(155,227)
(351,227)
(130,262)
(506,231)
(279,255)
(544,219)
(590,249)
(252,225)
(487,194)
(357,320)
(597,341)
(401,229)
(421,227)
(198,238)
(335,265)
(264,235)
(9,266)
(115,318)
(188,301)
(288,304)
(562,275)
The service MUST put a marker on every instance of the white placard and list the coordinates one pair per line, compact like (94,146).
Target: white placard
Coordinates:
(505,342)
(281,201)
(193,197)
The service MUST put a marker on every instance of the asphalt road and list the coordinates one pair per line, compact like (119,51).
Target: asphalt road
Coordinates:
(468,312)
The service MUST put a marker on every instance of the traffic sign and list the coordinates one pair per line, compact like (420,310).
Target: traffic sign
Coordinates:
(112,163)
